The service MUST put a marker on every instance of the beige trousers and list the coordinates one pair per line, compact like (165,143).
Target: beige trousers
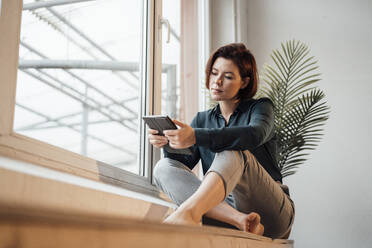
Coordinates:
(248,188)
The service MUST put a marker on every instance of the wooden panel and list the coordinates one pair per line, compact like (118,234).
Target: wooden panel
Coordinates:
(25,193)
(10,21)
(189,61)
(41,153)
(37,212)
(157,66)
(29,230)
(37,152)
(24,148)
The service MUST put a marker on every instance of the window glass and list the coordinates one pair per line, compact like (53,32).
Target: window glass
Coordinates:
(79,82)
(171,57)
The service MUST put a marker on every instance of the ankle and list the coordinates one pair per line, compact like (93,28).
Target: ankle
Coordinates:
(190,211)
(239,220)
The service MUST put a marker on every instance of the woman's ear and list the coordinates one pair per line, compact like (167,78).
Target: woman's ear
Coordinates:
(245,82)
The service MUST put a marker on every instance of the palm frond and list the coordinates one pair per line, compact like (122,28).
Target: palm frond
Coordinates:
(299,111)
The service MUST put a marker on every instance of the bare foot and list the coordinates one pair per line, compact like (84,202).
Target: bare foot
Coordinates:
(251,223)
(182,217)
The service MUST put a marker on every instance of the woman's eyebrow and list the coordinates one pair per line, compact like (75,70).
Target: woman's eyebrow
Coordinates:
(226,72)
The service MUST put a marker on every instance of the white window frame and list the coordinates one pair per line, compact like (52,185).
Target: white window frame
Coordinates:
(24,148)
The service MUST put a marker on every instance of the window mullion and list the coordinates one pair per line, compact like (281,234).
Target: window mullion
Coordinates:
(152,102)
(10,24)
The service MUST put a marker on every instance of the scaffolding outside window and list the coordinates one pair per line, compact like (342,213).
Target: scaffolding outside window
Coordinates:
(80,78)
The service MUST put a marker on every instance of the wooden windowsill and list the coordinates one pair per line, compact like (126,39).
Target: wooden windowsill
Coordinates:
(20,189)
(36,152)
(45,229)
(36,211)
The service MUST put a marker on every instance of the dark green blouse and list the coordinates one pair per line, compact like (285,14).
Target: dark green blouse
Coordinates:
(251,127)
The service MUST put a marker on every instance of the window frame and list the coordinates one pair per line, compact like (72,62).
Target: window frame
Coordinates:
(24,148)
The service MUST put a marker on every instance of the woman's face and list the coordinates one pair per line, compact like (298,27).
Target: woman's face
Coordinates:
(224,80)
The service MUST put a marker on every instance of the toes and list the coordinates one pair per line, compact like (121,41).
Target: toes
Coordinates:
(254,218)
(254,223)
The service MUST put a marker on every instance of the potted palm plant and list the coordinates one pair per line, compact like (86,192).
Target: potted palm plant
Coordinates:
(300,110)
(299,107)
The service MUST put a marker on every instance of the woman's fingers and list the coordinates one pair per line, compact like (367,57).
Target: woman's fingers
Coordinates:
(152,131)
(178,138)
(181,138)
(158,144)
(156,136)
(178,123)
(157,140)
(174,145)
(172,132)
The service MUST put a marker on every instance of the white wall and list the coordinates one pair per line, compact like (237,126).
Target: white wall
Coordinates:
(222,22)
(333,189)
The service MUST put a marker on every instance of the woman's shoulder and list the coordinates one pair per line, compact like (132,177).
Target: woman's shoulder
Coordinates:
(247,105)
(262,100)
(208,112)
(203,117)
(204,114)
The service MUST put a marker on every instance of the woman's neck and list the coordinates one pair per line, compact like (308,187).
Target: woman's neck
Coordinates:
(228,107)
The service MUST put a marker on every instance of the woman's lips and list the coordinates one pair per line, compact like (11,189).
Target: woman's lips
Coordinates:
(216,91)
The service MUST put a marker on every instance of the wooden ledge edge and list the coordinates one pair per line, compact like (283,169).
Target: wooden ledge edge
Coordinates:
(16,216)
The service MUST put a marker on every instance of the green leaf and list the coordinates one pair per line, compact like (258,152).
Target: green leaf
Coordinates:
(299,112)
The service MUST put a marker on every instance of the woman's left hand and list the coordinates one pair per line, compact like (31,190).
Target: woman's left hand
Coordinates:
(181,138)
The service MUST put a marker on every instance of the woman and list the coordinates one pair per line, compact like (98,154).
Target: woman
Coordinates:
(236,143)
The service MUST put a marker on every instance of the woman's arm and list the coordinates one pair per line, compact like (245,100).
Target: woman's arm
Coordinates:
(245,137)
(183,138)
(256,133)
(188,160)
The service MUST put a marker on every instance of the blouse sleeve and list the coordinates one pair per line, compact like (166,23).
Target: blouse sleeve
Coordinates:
(248,137)
(188,160)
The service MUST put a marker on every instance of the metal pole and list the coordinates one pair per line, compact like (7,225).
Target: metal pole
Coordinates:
(84,125)
(45,4)
(78,64)
(94,44)
(79,100)
(81,95)
(120,148)
(69,24)
(81,80)
(35,125)
(47,64)
(83,64)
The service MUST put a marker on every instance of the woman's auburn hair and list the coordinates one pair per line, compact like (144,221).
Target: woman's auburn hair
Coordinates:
(243,59)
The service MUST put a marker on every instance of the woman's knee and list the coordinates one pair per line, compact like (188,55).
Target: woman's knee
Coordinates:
(229,157)
(166,168)
(161,169)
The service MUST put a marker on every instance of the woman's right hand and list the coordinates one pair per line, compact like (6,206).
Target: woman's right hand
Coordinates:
(155,139)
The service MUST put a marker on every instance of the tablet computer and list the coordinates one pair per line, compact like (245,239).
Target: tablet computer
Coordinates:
(161,123)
